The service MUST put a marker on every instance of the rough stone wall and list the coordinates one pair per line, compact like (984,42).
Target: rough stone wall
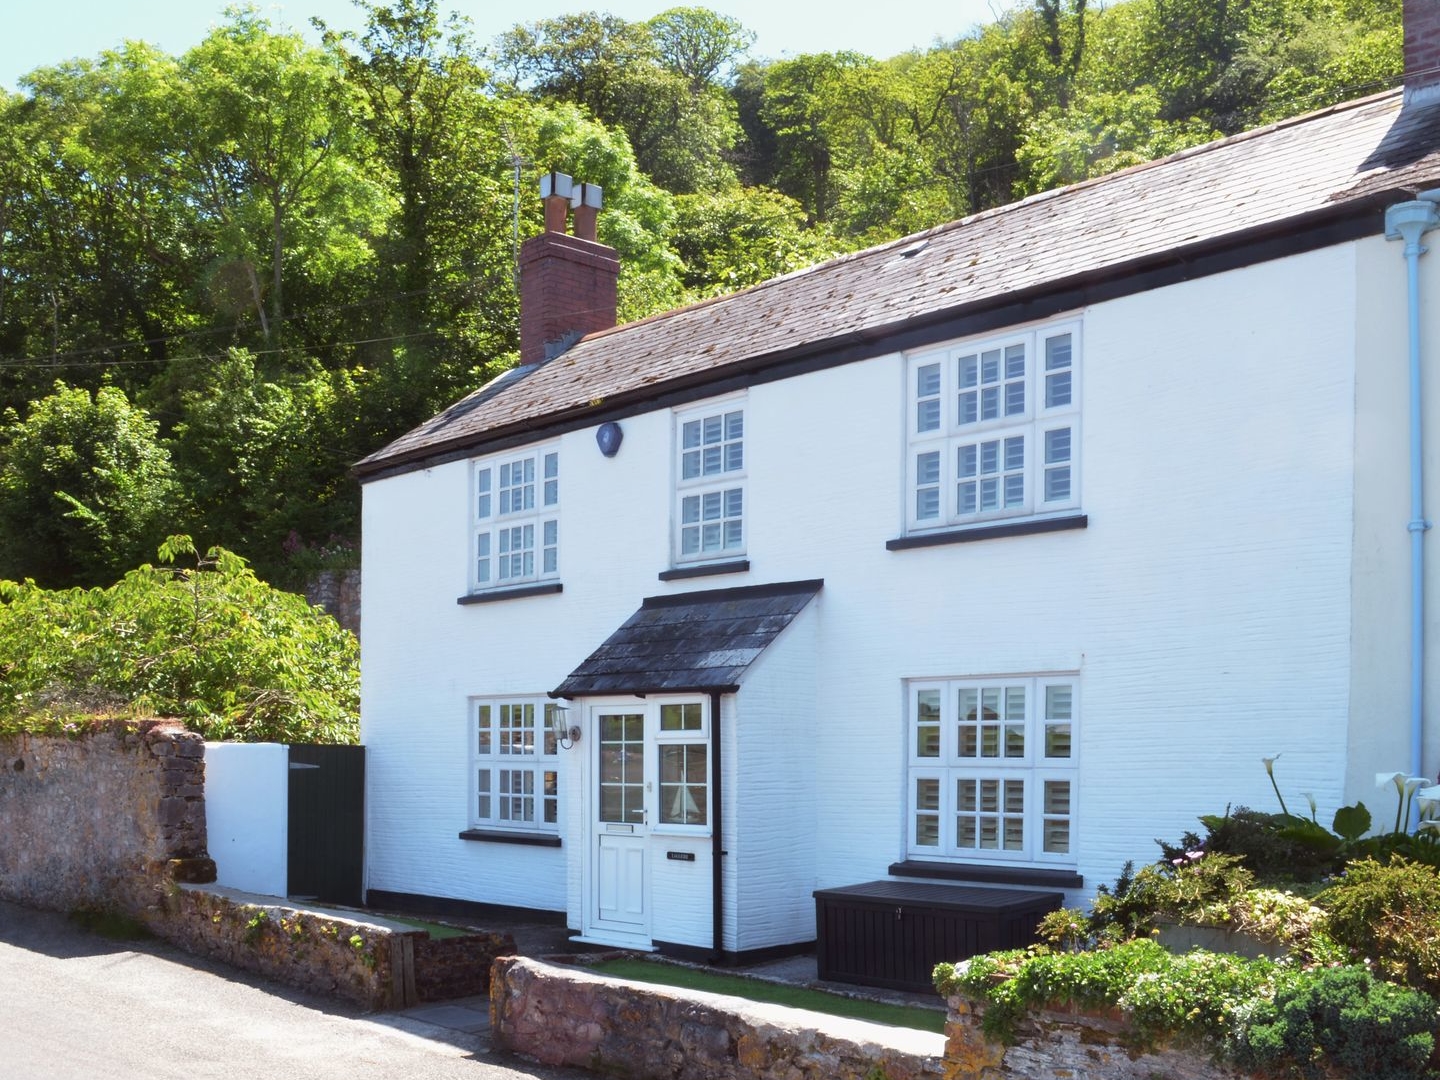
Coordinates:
(1053,1045)
(456,967)
(565,1016)
(102,821)
(115,821)
(338,592)
(320,953)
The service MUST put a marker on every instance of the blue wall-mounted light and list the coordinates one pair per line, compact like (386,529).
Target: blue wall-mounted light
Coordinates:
(608,437)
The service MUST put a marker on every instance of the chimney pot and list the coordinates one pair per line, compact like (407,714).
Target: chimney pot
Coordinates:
(585,201)
(555,193)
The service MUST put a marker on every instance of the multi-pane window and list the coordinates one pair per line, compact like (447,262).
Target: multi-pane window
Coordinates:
(516,519)
(514,765)
(684,755)
(993,428)
(991,771)
(710,488)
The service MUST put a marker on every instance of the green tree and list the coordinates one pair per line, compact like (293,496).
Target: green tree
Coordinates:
(207,642)
(447,304)
(85,488)
(1099,134)
(653,81)
(281,187)
(730,240)
(801,107)
(100,254)
(699,44)
(245,444)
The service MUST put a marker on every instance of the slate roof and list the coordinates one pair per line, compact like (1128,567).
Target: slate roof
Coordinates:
(1279,180)
(690,642)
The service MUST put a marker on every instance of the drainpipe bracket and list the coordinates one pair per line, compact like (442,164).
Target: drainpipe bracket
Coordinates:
(1422,525)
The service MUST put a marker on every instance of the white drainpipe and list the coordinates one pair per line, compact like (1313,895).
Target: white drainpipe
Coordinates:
(1409,221)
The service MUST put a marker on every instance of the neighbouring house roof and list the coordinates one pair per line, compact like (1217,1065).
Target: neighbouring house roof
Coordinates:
(690,643)
(1292,179)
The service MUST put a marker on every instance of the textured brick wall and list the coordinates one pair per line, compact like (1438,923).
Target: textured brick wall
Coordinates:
(567,286)
(1422,45)
(103,821)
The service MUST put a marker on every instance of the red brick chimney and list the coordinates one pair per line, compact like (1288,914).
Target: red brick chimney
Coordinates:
(567,283)
(1422,51)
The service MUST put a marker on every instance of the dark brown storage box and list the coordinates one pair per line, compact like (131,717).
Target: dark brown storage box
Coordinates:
(893,933)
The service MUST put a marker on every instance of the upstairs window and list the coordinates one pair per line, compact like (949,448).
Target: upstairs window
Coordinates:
(516,519)
(710,483)
(993,429)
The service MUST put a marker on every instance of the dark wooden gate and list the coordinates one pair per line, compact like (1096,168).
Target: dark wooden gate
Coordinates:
(327,823)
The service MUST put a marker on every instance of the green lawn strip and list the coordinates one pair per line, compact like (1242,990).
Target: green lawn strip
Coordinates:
(435,929)
(797,997)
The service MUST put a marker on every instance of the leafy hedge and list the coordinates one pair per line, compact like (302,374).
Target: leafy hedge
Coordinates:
(209,643)
(1257,1014)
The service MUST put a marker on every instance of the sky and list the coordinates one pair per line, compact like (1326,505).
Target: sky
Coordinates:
(37,34)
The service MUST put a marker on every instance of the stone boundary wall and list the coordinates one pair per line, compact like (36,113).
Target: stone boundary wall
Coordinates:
(373,964)
(318,952)
(338,592)
(102,821)
(567,1016)
(115,822)
(456,967)
(1052,1044)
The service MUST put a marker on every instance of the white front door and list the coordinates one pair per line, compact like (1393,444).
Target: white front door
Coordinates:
(620,897)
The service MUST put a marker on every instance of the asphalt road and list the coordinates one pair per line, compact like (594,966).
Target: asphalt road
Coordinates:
(76,1006)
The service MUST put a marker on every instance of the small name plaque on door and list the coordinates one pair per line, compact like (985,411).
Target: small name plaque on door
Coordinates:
(680,856)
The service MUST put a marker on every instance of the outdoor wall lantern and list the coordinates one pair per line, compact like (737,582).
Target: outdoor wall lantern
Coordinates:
(608,437)
(565,736)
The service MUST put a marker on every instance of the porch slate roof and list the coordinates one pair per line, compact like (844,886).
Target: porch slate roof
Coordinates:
(690,642)
(1286,179)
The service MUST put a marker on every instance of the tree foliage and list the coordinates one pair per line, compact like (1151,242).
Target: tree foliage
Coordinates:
(206,642)
(85,487)
(288,254)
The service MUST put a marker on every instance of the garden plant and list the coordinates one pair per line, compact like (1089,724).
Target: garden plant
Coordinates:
(1352,919)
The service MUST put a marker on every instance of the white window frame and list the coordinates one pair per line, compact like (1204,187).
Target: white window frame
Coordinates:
(980,450)
(688,739)
(515,772)
(710,489)
(938,761)
(515,520)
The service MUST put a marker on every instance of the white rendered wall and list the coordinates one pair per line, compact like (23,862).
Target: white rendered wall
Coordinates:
(1380,645)
(771,782)
(247,802)
(1206,607)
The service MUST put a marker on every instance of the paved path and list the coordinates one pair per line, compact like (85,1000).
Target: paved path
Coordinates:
(75,1006)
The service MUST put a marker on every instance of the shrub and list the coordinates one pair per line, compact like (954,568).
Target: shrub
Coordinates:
(1339,1018)
(1389,913)
(1262,1016)
(1266,844)
(1196,995)
(211,644)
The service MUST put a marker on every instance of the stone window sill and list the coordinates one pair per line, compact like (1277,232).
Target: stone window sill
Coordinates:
(976,533)
(496,595)
(499,836)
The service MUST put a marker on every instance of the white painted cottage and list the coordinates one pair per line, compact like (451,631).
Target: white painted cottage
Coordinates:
(980,558)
